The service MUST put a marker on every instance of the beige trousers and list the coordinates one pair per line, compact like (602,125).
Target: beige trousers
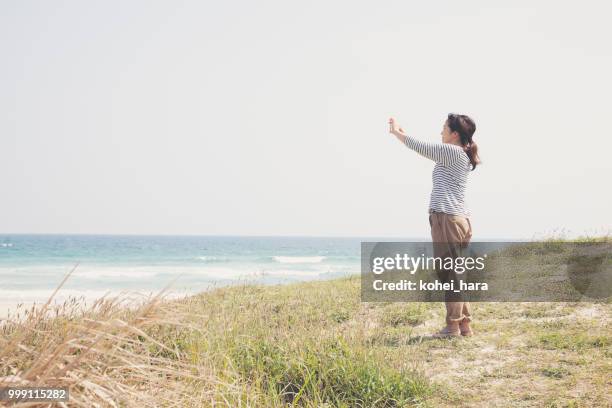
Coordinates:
(450,235)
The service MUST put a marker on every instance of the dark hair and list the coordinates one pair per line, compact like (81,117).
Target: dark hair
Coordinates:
(465,126)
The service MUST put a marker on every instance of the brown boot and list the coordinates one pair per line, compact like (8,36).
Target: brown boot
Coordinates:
(451,330)
(465,328)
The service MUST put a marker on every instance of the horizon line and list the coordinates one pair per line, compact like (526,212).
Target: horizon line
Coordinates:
(234,235)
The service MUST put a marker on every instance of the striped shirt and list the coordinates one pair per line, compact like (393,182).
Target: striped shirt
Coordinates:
(449,175)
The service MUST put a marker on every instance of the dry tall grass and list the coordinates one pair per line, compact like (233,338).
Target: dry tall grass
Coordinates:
(105,353)
(243,346)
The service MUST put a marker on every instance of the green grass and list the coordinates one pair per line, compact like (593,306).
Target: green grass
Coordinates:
(402,314)
(572,341)
(326,373)
(555,372)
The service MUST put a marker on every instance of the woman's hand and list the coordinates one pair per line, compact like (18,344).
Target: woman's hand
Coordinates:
(395,129)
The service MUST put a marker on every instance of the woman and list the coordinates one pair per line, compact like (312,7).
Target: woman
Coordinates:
(451,230)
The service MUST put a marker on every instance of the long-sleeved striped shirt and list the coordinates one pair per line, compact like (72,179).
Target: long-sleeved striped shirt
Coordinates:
(449,175)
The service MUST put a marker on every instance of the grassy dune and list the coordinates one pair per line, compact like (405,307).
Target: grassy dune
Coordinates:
(314,345)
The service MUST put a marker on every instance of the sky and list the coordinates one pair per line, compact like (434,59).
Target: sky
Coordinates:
(271,117)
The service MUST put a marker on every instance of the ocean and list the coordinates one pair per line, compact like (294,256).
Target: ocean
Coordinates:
(31,266)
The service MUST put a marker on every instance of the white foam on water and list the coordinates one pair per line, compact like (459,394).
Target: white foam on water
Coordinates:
(298,259)
(114,272)
(210,258)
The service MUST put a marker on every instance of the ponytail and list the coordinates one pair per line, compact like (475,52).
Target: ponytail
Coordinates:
(465,126)
(471,149)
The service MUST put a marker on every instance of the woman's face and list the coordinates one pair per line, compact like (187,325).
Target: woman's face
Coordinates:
(447,135)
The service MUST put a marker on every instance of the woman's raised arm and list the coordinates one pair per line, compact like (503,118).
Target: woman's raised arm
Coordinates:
(444,153)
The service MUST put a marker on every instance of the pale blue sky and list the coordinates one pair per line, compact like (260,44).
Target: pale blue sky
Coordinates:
(268,118)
